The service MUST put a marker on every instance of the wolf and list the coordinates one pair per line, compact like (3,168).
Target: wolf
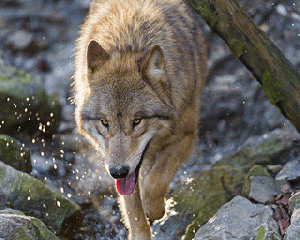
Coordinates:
(140,67)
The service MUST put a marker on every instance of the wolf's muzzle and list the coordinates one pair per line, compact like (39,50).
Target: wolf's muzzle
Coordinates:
(119,173)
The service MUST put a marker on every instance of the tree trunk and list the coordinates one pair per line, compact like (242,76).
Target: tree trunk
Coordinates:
(278,78)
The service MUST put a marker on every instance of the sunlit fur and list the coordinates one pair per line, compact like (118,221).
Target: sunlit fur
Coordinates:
(145,60)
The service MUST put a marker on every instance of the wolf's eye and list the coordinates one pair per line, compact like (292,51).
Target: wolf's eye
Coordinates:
(104,123)
(136,122)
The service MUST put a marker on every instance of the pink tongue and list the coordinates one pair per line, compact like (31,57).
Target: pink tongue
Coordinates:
(125,186)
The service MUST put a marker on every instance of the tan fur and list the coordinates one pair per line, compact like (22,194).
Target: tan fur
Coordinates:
(139,70)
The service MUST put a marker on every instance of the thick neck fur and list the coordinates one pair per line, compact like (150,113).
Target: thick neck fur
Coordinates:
(121,27)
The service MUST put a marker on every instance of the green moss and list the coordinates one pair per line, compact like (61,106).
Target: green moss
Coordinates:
(237,47)
(42,232)
(271,87)
(261,233)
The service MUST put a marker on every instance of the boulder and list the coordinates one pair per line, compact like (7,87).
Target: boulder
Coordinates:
(16,225)
(29,195)
(240,219)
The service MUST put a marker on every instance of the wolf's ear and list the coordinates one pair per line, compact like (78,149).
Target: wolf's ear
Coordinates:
(96,56)
(154,73)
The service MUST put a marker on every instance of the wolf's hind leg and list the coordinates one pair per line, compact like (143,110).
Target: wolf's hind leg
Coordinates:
(156,183)
(134,217)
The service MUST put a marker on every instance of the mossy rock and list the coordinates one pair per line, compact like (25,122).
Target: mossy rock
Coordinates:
(16,225)
(25,106)
(208,192)
(34,198)
(13,153)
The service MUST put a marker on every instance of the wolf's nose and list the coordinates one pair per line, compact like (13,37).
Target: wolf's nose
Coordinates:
(119,173)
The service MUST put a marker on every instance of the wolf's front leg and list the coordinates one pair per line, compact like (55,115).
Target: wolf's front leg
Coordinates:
(134,216)
(155,184)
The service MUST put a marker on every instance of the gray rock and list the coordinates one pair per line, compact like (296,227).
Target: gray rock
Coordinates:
(263,188)
(32,197)
(240,219)
(293,231)
(291,171)
(15,225)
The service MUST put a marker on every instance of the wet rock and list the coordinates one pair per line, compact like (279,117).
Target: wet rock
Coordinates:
(24,105)
(15,225)
(14,154)
(240,219)
(291,171)
(32,197)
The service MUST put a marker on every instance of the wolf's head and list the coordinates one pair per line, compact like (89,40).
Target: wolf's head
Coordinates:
(129,105)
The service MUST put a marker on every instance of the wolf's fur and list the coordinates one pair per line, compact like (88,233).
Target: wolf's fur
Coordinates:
(140,67)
